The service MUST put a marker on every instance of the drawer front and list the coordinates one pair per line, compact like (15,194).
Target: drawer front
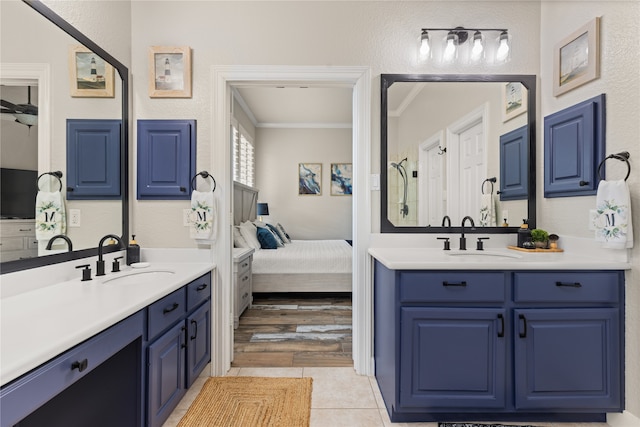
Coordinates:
(454,287)
(244,296)
(198,291)
(32,243)
(165,312)
(568,287)
(18,228)
(12,243)
(242,266)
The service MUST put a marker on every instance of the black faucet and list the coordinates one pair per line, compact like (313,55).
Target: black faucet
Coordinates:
(63,237)
(100,263)
(463,240)
(447,220)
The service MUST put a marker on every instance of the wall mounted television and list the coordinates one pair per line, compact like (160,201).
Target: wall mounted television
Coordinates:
(18,189)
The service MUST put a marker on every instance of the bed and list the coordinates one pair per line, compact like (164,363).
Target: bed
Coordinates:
(299,266)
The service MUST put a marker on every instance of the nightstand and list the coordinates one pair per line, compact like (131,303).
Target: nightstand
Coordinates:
(242,297)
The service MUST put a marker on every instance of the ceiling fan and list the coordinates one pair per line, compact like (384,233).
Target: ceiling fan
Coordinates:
(26,114)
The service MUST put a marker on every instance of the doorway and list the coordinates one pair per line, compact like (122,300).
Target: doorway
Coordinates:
(359,79)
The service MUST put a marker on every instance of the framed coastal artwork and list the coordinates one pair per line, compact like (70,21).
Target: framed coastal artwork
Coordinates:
(576,59)
(169,72)
(341,177)
(310,179)
(514,100)
(90,76)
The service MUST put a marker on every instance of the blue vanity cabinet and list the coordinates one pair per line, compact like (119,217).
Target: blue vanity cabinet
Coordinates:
(499,345)
(179,346)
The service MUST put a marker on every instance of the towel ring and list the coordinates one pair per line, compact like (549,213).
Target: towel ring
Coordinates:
(57,174)
(491,180)
(623,157)
(203,174)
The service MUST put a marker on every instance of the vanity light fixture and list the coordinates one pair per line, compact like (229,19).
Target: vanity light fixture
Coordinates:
(454,46)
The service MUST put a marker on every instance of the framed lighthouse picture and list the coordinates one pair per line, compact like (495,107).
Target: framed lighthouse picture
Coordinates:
(169,72)
(90,76)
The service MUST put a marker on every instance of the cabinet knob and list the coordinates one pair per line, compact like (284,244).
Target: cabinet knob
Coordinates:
(80,365)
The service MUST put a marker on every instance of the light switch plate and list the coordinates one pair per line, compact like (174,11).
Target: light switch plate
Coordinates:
(375,182)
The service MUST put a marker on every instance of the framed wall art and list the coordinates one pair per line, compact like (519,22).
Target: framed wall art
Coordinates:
(310,178)
(341,178)
(89,75)
(576,59)
(514,100)
(169,72)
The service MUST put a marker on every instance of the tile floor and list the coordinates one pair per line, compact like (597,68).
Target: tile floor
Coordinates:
(340,398)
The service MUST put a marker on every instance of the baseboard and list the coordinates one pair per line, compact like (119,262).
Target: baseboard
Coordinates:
(625,419)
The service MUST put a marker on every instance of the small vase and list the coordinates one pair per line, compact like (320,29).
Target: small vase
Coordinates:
(541,245)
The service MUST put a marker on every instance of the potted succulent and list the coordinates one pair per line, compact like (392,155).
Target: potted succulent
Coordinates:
(539,237)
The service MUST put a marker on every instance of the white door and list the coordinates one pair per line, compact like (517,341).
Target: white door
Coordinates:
(472,170)
(431,181)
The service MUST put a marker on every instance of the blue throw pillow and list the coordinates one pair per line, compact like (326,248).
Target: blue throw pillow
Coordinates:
(274,231)
(266,239)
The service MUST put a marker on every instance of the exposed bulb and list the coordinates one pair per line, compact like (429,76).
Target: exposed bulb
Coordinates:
(478,46)
(425,46)
(450,48)
(503,47)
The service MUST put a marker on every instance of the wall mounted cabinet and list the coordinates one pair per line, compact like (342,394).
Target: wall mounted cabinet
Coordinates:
(166,159)
(514,158)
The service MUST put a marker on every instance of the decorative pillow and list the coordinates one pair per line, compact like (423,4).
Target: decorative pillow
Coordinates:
(266,239)
(283,234)
(275,233)
(259,224)
(238,240)
(249,233)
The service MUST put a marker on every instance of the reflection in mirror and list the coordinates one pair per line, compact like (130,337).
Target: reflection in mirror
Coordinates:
(42,147)
(448,151)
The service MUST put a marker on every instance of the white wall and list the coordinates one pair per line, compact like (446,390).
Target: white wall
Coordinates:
(278,153)
(619,80)
(18,143)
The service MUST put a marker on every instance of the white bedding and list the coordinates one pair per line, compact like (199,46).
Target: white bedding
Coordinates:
(304,256)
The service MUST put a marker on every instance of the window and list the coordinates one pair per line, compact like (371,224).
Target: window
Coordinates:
(243,153)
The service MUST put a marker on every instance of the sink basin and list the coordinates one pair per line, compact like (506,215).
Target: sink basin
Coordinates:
(139,277)
(483,255)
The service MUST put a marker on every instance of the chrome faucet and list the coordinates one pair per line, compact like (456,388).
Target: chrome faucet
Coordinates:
(100,263)
(447,220)
(63,237)
(463,240)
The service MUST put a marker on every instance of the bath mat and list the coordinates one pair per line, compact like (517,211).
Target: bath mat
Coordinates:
(251,401)
(480,425)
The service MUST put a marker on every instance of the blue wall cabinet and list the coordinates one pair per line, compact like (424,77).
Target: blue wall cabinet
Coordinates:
(507,345)
(166,159)
(93,159)
(574,145)
(514,164)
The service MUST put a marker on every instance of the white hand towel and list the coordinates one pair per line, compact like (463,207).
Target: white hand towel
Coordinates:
(613,221)
(204,217)
(50,215)
(487,211)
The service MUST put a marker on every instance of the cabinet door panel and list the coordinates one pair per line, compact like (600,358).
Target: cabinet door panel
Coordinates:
(452,357)
(567,358)
(198,347)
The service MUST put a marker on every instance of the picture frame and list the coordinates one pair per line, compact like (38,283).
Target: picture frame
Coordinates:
(90,76)
(310,179)
(576,59)
(341,179)
(169,72)
(514,100)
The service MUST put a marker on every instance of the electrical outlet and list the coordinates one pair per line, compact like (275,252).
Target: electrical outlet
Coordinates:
(186,217)
(593,216)
(74,217)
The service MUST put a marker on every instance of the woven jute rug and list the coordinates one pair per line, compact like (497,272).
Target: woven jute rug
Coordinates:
(251,402)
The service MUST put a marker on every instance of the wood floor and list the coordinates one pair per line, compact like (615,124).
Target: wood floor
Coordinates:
(295,330)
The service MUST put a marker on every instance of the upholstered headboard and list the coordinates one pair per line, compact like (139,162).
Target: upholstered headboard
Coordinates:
(245,200)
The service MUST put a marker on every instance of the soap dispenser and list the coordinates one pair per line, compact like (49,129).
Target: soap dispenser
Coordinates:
(524,234)
(133,251)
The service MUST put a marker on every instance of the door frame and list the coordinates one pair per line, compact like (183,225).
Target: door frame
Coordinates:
(359,78)
(434,141)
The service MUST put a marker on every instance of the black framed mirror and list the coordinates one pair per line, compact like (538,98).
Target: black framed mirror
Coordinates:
(114,212)
(447,149)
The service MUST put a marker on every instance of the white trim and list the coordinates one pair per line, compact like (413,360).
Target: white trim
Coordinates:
(23,74)
(224,79)
(436,140)
(304,125)
(415,91)
(625,419)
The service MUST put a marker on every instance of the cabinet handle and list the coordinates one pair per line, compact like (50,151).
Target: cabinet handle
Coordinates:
(245,295)
(24,229)
(463,283)
(80,365)
(170,309)
(245,264)
(245,278)
(183,190)
(201,287)
(184,333)
(501,331)
(569,284)
(523,330)
(195,334)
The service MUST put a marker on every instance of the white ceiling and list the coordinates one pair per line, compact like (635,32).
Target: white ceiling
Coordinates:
(297,106)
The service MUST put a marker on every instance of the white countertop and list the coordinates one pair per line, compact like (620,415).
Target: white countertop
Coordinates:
(396,258)
(42,323)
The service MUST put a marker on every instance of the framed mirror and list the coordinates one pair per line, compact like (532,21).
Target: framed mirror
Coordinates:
(457,145)
(46,55)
